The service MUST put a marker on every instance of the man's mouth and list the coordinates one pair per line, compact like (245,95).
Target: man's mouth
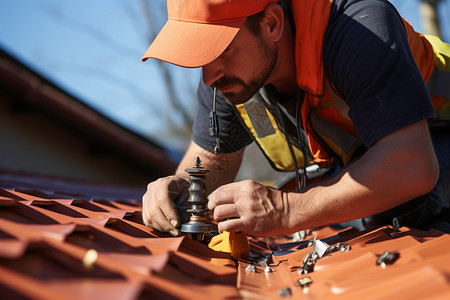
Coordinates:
(227,85)
(227,89)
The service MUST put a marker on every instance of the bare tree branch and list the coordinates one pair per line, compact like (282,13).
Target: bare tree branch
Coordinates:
(429,17)
(170,84)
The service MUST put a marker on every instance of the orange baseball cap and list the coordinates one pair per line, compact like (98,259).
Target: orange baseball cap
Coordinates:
(198,31)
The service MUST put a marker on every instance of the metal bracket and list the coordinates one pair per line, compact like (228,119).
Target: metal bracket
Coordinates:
(387,258)
(320,249)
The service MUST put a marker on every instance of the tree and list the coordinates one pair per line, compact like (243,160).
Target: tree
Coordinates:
(429,17)
(180,121)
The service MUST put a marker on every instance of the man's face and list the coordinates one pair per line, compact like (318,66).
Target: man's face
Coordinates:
(243,68)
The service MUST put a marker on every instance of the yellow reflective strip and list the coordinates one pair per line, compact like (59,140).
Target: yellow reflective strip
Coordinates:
(243,113)
(274,146)
(275,142)
(441,52)
(345,157)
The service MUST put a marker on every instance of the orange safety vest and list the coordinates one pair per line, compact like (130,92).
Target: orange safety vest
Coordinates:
(330,135)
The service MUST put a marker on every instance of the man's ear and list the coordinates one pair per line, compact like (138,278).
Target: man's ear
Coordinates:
(272,25)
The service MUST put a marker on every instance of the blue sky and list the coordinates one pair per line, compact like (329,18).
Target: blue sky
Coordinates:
(92,48)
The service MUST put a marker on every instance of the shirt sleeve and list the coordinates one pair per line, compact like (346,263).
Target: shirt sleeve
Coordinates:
(233,136)
(368,59)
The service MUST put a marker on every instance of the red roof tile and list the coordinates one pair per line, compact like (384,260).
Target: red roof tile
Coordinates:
(56,244)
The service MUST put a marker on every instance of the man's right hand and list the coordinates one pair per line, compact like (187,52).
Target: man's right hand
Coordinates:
(159,209)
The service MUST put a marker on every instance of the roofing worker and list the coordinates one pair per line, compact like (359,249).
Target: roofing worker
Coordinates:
(344,80)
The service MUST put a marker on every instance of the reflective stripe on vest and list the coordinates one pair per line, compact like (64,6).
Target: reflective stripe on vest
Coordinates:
(343,145)
(266,133)
(439,81)
(441,52)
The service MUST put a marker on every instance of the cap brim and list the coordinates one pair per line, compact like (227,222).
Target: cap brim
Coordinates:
(192,45)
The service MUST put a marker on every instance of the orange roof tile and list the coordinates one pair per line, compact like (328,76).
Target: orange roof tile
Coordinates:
(58,244)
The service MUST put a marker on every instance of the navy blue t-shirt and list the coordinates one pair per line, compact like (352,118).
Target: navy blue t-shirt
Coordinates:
(367,58)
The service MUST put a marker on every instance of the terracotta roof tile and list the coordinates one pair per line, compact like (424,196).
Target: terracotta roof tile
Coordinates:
(59,244)
(423,256)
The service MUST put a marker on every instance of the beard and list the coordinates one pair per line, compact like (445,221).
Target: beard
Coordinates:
(258,78)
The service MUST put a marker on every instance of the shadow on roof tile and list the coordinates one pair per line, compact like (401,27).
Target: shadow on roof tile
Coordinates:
(92,238)
(127,227)
(22,213)
(44,262)
(75,248)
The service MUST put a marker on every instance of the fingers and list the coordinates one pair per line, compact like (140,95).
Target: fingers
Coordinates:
(223,207)
(220,196)
(167,218)
(160,222)
(231,225)
(158,208)
(153,216)
(170,213)
(225,211)
(228,218)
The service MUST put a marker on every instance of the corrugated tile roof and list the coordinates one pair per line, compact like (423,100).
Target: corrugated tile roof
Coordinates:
(420,272)
(77,241)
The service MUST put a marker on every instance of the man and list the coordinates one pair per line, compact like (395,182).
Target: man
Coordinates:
(347,76)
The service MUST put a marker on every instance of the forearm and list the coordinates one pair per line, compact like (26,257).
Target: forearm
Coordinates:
(223,167)
(396,169)
(349,195)
(399,167)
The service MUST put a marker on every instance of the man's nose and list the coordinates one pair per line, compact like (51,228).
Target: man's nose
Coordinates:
(212,72)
